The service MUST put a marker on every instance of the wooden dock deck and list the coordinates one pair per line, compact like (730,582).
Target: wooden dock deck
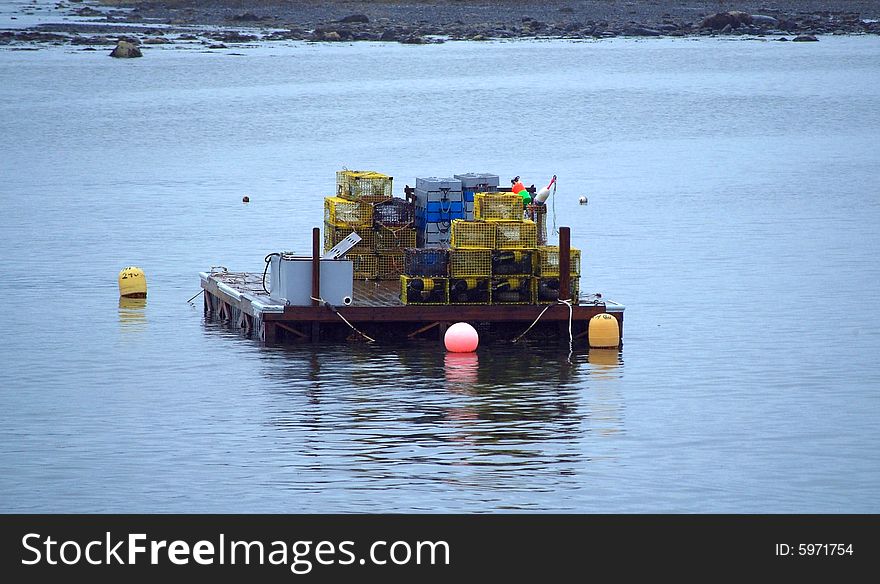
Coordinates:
(377,312)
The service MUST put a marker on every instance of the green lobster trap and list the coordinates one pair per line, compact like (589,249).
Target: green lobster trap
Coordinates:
(344,213)
(513,262)
(333,235)
(513,290)
(469,291)
(548,261)
(498,207)
(516,234)
(422,290)
(363,185)
(473,234)
(547,289)
(465,263)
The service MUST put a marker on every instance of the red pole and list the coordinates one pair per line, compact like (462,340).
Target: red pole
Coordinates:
(316,265)
(564,263)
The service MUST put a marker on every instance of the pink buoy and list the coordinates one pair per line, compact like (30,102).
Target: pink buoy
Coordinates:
(461,338)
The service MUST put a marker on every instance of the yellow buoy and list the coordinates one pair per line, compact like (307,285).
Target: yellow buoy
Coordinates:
(604,331)
(132,283)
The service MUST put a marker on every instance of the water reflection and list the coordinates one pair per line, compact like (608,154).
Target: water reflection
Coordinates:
(605,400)
(604,358)
(132,314)
(462,371)
(385,416)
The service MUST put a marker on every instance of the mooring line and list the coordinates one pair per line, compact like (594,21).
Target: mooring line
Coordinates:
(570,317)
(195,296)
(345,320)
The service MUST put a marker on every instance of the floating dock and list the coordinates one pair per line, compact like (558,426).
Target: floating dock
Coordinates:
(377,313)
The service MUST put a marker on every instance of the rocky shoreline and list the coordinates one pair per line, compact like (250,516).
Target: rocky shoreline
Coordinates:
(221,23)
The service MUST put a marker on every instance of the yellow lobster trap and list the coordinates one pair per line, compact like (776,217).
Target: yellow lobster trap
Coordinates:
(424,290)
(547,289)
(548,261)
(365,266)
(498,207)
(516,234)
(469,291)
(395,238)
(465,263)
(341,212)
(473,234)
(513,290)
(364,185)
(333,235)
(513,262)
(390,265)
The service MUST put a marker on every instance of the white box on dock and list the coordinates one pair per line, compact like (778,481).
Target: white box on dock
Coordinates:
(291,280)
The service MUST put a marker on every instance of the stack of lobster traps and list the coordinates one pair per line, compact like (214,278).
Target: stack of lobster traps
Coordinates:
(492,259)
(386,225)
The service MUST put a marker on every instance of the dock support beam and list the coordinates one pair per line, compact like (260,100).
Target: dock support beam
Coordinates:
(565,263)
(269,332)
(316,265)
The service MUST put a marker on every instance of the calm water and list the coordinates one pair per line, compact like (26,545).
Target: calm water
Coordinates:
(733,209)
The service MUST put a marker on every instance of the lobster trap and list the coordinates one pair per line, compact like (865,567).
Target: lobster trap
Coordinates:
(469,291)
(422,290)
(390,266)
(394,213)
(470,262)
(516,290)
(498,207)
(547,289)
(513,262)
(364,266)
(363,185)
(548,261)
(333,235)
(473,234)
(395,239)
(516,234)
(344,213)
(426,262)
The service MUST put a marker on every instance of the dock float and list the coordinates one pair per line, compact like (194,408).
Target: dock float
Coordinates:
(376,312)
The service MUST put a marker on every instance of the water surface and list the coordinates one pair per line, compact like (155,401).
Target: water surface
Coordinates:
(733,209)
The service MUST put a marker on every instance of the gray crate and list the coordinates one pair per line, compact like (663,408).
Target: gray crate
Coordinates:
(472,180)
(469,211)
(435,235)
(433,183)
(425,197)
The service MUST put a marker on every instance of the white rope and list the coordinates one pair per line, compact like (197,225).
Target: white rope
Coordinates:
(570,317)
(345,320)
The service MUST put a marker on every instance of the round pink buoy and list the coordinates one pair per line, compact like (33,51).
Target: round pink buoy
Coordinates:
(461,338)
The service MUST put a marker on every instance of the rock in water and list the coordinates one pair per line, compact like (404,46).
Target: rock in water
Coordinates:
(766,21)
(805,38)
(734,19)
(356,19)
(126,50)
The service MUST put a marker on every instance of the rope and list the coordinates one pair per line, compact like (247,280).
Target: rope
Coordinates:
(345,320)
(570,317)
(268,259)
(195,296)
